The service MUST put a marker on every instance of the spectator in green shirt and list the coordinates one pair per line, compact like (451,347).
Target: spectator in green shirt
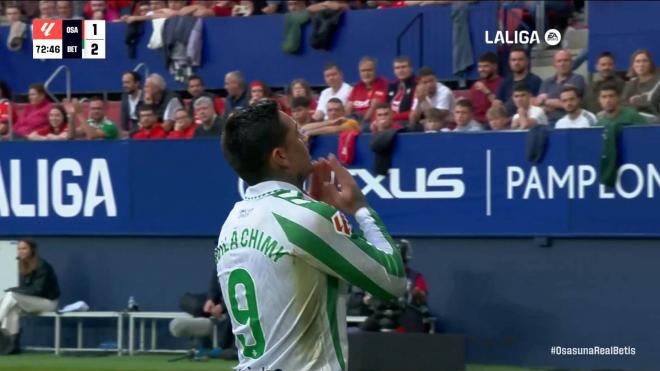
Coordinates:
(97,126)
(614,113)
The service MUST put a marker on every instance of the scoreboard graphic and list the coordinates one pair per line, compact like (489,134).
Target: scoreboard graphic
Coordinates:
(68,39)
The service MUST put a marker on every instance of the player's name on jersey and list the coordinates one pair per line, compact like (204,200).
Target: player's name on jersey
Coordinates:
(254,239)
(68,39)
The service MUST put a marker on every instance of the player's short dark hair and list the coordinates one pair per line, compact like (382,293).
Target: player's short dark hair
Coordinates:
(249,137)
(300,102)
(425,71)
(465,103)
(609,85)
(335,100)
(572,88)
(488,57)
(605,54)
(196,77)
(521,87)
(331,65)
(136,76)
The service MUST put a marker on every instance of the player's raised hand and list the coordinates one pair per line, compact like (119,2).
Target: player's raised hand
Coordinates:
(343,193)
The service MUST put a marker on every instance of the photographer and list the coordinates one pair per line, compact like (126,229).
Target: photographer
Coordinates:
(406,314)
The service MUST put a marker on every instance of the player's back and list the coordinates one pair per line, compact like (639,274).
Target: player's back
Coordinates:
(283,309)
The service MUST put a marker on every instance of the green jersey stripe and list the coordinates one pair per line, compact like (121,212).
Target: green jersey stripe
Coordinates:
(331,309)
(319,249)
(391,262)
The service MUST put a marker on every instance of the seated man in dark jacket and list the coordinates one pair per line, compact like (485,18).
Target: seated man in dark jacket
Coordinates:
(37,292)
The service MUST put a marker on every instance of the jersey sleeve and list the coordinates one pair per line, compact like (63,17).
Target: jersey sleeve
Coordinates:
(322,236)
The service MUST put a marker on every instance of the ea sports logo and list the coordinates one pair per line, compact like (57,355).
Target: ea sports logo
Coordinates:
(552,37)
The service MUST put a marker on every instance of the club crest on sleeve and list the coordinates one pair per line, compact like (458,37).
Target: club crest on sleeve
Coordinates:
(341,224)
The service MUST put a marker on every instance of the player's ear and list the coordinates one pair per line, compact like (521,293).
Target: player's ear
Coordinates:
(280,158)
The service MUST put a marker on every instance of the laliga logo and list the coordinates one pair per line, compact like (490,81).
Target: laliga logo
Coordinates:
(47,27)
(439,183)
(552,37)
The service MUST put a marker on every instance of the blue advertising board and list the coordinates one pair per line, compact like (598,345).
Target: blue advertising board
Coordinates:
(449,184)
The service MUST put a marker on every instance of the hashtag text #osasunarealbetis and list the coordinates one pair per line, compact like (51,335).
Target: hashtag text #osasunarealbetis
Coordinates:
(593,351)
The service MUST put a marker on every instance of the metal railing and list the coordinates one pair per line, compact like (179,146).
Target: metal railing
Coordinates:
(141,66)
(67,77)
(419,17)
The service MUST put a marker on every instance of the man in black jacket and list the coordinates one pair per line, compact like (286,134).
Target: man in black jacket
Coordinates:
(130,100)
(37,292)
(400,94)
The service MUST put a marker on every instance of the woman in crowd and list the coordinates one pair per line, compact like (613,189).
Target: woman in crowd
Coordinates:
(644,85)
(58,125)
(35,114)
(300,88)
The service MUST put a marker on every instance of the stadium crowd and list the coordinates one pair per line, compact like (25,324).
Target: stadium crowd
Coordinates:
(414,101)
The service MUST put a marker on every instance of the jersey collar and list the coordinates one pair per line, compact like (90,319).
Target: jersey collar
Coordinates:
(269,187)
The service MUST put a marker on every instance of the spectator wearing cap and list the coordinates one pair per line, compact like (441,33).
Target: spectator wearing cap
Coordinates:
(259,91)
(337,121)
(237,94)
(368,92)
(210,124)
(604,73)
(150,128)
(482,92)
(527,115)
(401,93)
(183,126)
(337,88)
(520,73)
(35,113)
(163,101)
(548,97)
(430,93)
(576,117)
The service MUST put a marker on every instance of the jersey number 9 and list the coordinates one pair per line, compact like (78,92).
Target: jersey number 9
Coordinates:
(248,316)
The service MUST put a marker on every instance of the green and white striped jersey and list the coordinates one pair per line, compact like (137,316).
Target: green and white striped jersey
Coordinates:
(284,262)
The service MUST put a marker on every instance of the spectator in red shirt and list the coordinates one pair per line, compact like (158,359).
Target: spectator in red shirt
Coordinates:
(384,118)
(401,93)
(366,93)
(300,88)
(183,126)
(150,128)
(57,128)
(35,114)
(6,106)
(482,92)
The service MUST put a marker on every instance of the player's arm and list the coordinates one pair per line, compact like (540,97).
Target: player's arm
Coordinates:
(324,238)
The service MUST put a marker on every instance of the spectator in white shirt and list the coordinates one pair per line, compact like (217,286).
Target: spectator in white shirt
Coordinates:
(337,88)
(527,115)
(575,117)
(430,93)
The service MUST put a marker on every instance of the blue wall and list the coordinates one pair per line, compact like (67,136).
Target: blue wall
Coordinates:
(622,27)
(511,298)
(253,45)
